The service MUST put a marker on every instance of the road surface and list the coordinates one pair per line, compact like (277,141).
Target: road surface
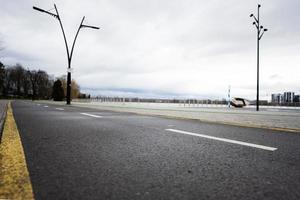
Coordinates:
(81,153)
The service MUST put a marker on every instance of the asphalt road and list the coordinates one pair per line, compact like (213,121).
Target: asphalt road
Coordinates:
(81,153)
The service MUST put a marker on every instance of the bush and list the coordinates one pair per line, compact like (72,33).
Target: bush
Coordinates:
(58,91)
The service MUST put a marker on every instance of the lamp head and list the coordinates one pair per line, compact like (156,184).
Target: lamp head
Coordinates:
(87,26)
(251,15)
(38,9)
(47,12)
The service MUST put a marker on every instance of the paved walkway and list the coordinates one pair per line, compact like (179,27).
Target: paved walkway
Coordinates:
(268,117)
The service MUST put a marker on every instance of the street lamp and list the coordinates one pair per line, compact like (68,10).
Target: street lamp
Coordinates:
(69,55)
(260,32)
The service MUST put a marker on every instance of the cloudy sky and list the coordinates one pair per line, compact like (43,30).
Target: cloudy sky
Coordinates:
(159,48)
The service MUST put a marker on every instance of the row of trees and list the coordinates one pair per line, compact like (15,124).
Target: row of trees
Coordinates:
(18,82)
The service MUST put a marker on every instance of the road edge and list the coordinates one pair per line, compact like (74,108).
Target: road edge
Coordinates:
(15,181)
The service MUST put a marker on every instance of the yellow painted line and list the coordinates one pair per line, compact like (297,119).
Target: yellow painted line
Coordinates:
(14,176)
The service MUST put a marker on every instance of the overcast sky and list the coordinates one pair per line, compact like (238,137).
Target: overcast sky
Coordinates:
(159,48)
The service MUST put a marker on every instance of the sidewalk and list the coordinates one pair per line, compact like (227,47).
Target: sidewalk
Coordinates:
(270,118)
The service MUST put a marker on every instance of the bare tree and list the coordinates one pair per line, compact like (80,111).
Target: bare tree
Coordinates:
(44,89)
(1,45)
(26,84)
(2,72)
(17,82)
(41,84)
(2,76)
(16,76)
(33,77)
(6,87)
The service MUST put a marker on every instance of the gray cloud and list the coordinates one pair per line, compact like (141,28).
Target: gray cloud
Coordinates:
(159,48)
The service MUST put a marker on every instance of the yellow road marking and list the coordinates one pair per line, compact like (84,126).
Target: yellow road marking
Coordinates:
(14,176)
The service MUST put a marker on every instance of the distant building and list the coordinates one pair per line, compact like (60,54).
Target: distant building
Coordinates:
(297,99)
(288,97)
(277,98)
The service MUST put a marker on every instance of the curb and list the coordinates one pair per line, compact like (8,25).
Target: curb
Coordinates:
(2,120)
(14,175)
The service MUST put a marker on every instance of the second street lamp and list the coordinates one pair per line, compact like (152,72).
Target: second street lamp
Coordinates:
(69,54)
(260,32)
(70,59)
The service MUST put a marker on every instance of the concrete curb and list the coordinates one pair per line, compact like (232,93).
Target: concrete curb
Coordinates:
(2,120)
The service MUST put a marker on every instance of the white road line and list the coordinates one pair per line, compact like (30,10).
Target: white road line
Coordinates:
(38,104)
(46,106)
(59,109)
(96,116)
(224,140)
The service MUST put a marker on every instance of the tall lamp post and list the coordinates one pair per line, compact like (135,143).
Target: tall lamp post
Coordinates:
(69,54)
(260,32)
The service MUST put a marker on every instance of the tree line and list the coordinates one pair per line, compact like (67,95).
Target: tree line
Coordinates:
(18,82)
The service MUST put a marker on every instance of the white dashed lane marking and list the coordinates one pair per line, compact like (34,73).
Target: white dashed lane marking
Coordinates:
(224,140)
(96,116)
(59,109)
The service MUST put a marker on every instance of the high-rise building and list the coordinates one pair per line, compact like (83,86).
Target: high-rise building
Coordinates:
(288,97)
(277,98)
(297,99)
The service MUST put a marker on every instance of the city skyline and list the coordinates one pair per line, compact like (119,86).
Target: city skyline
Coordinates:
(160,49)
